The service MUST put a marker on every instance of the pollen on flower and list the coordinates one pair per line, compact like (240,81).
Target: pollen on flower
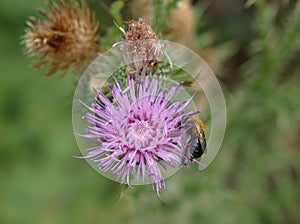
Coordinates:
(140,129)
(140,133)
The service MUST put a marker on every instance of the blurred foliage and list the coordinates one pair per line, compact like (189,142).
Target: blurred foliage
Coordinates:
(254,51)
(161,11)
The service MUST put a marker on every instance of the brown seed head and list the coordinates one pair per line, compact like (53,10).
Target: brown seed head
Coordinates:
(139,30)
(141,49)
(67,36)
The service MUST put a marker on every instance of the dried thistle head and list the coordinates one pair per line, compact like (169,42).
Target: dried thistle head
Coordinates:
(67,36)
(142,48)
(139,30)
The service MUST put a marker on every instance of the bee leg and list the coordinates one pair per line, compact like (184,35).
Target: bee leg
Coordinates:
(186,164)
(201,165)
(191,159)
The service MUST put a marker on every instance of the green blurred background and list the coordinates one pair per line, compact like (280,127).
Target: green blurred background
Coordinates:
(254,51)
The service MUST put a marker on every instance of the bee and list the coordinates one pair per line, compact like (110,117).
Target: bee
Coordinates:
(195,141)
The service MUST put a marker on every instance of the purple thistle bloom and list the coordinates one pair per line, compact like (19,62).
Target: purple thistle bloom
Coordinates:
(138,132)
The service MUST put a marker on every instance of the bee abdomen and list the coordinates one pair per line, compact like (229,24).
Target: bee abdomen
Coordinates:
(200,147)
(198,151)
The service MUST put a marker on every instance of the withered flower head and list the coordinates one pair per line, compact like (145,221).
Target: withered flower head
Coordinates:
(139,30)
(141,49)
(67,36)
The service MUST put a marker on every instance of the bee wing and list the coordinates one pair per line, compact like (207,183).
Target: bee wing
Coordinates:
(203,141)
(200,133)
(198,128)
(185,143)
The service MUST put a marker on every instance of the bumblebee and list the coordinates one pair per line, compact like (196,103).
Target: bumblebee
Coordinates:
(198,129)
(195,140)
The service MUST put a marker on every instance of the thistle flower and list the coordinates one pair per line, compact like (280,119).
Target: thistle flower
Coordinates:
(66,37)
(138,132)
(141,48)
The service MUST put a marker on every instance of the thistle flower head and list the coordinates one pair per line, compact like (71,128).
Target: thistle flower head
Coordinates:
(139,30)
(67,36)
(137,132)
(141,48)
